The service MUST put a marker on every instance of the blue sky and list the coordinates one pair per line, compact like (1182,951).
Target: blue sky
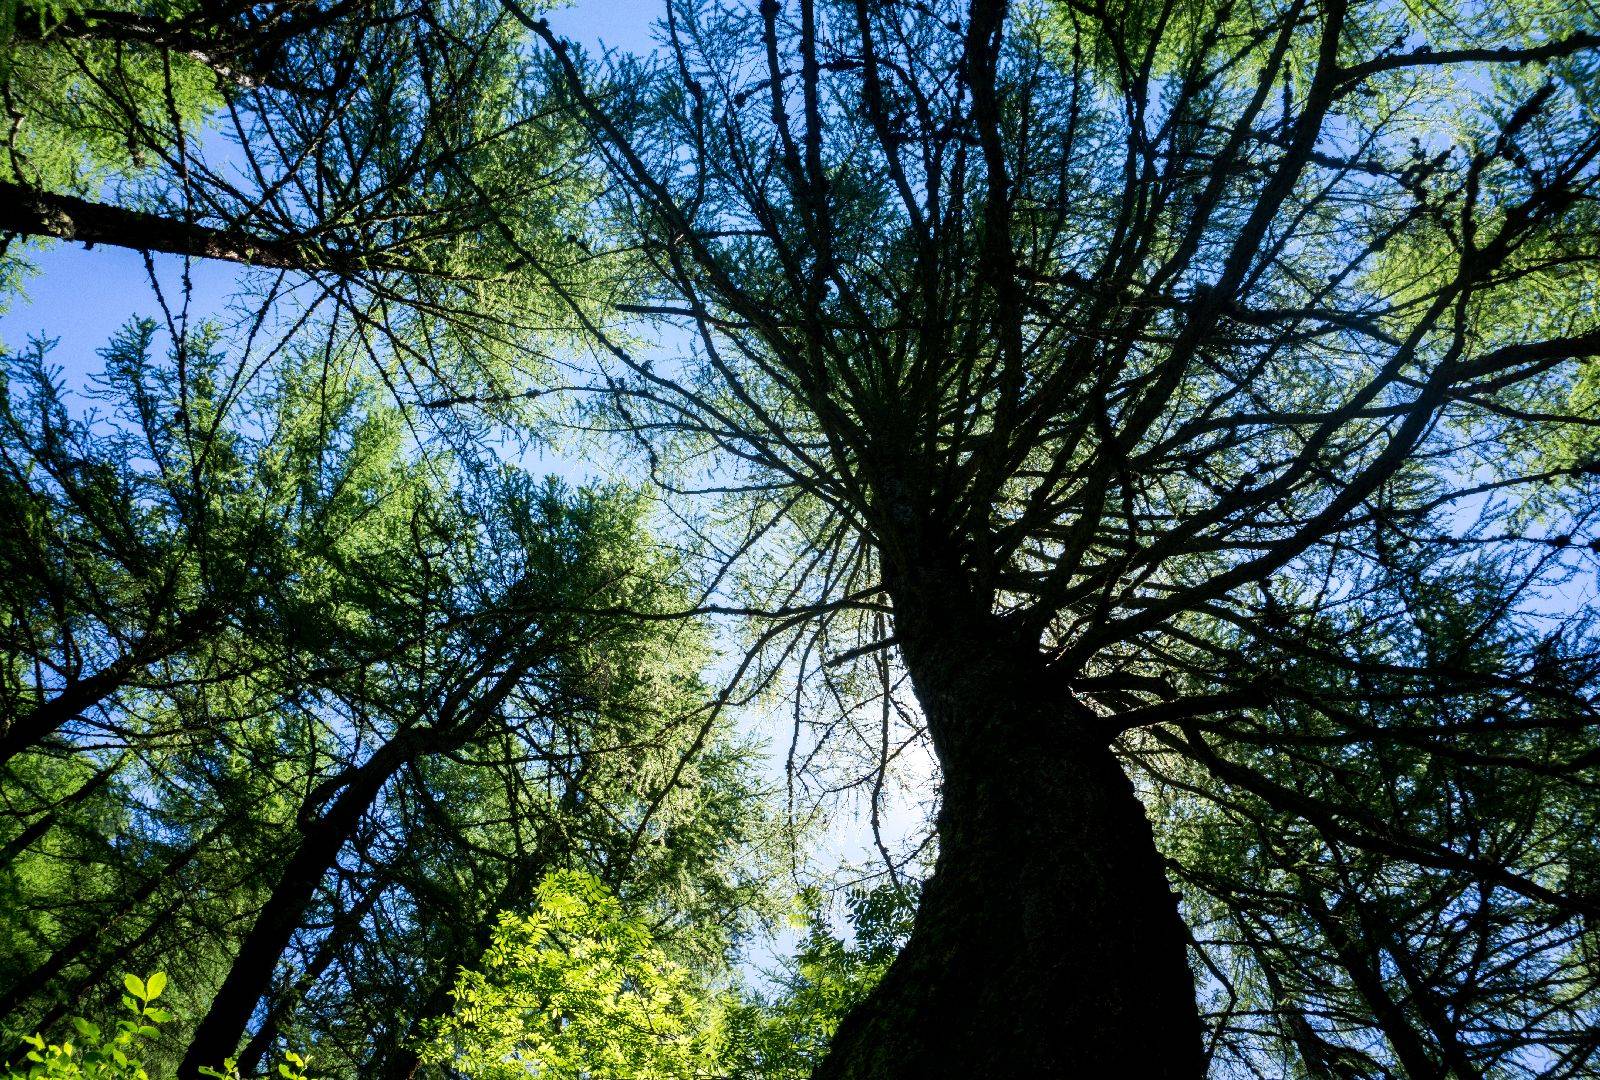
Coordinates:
(81,297)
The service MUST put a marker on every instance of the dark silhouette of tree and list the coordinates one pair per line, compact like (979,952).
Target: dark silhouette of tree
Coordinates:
(1176,415)
(1128,369)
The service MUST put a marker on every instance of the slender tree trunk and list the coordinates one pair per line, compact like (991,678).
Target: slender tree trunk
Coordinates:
(345,927)
(402,1061)
(47,820)
(78,697)
(92,936)
(466,945)
(1364,968)
(219,1033)
(1048,942)
(27,731)
(94,973)
(217,1036)
(32,212)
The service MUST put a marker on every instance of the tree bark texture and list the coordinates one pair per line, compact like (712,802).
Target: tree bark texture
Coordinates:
(1048,941)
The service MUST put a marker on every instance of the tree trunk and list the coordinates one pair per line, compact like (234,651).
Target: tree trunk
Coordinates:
(27,731)
(29,211)
(219,1033)
(343,929)
(94,972)
(217,1036)
(92,936)
(46,821)
(1364,967)
(1048,942)
(402,1060)
(465,946)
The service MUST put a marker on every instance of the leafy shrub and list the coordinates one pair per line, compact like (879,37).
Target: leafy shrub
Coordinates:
(579,988)
(99,1056)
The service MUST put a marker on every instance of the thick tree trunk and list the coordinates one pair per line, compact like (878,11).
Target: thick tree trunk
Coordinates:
(1048,943)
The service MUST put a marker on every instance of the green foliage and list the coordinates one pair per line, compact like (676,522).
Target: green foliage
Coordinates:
(783,1035)
(426,167)
(121,1055)
(1298,919)
(580,988)
(292,1067)
(246,574)
(97,1056)
(83,112)
(1165,333)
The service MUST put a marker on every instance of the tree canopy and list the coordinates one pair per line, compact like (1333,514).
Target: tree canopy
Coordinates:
(1155,438)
